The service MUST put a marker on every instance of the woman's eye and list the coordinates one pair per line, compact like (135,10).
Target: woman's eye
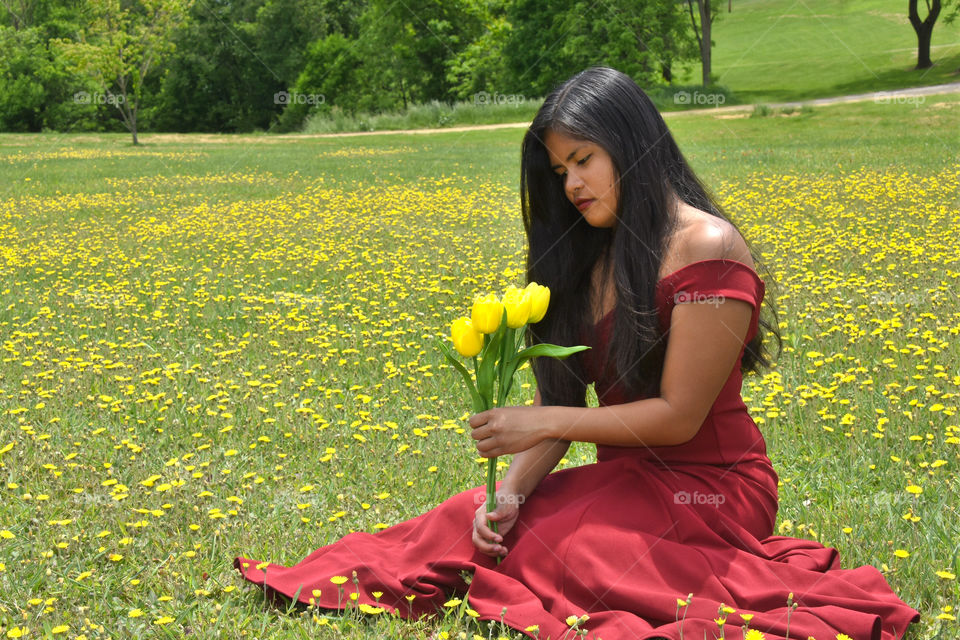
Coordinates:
(584,160)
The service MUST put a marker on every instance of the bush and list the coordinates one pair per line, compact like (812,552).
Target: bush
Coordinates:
(434,114)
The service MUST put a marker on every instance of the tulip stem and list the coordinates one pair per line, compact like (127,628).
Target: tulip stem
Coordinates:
(492,491)
(506,342)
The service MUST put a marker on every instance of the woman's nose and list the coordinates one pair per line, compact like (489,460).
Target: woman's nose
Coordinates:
(574,183)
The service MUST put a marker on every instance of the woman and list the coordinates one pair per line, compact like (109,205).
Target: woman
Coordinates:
(643,267)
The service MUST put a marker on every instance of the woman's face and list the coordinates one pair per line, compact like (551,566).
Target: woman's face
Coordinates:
(588,175)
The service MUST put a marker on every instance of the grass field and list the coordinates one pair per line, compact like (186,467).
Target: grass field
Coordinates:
(222,345)
(783,50)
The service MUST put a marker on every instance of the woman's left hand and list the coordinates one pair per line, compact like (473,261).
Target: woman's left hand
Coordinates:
(504,430)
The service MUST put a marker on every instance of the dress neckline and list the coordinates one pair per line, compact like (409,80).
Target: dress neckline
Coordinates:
(609,314)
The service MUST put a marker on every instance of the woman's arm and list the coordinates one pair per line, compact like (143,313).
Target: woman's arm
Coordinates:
(703,348)
(529,467)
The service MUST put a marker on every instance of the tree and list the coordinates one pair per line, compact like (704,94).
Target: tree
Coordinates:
(21,12)
(707,12)
(924,28)
(481,65)
(407,46)
(123,43)
(551,38)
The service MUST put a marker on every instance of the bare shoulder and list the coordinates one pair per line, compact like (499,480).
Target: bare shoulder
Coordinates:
(707,237)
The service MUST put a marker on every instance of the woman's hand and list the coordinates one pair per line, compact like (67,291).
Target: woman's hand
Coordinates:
(504,430)
(505,515)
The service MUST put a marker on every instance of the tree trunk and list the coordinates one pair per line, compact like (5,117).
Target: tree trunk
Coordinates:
(705,39)
(924,31)
(923,49)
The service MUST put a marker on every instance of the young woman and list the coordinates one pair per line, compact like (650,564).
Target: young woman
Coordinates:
(643,267)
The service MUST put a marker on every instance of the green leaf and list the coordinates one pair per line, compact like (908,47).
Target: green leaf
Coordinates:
(478,403)
(507,365)
(550,351)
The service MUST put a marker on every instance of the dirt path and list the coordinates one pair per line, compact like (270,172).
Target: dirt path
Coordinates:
(891,96)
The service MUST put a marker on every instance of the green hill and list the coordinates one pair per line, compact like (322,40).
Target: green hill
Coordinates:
(778,50)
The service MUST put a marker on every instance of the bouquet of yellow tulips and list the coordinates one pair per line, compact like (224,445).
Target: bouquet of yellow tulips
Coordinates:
(494,333)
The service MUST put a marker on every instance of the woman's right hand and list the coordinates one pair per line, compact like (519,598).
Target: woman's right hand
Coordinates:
(505,515)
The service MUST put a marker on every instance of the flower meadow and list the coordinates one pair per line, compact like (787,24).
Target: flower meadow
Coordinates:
(216,349)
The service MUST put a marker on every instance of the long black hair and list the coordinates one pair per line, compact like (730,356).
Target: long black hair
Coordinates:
(606,107)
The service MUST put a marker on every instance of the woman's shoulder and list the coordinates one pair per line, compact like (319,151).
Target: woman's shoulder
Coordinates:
(702,236)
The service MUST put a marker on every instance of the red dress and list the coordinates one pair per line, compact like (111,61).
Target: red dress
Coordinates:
(622,539)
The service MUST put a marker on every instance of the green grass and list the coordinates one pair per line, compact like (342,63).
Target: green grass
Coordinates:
(144,289)
(786,50)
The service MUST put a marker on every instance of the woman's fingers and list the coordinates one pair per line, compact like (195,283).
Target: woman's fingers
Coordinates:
(489,534)
(484,538)
(486,547)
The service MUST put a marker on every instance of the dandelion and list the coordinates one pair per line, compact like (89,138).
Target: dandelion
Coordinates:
(366,608)
(339,581)
(791,607)
(721,621)
(682,604)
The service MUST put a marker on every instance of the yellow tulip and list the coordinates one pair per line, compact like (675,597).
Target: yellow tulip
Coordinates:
(467,340)
(517,303)
(486,314)
(539,301)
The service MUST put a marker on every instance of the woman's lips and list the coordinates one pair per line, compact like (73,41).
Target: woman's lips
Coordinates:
(583,204)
